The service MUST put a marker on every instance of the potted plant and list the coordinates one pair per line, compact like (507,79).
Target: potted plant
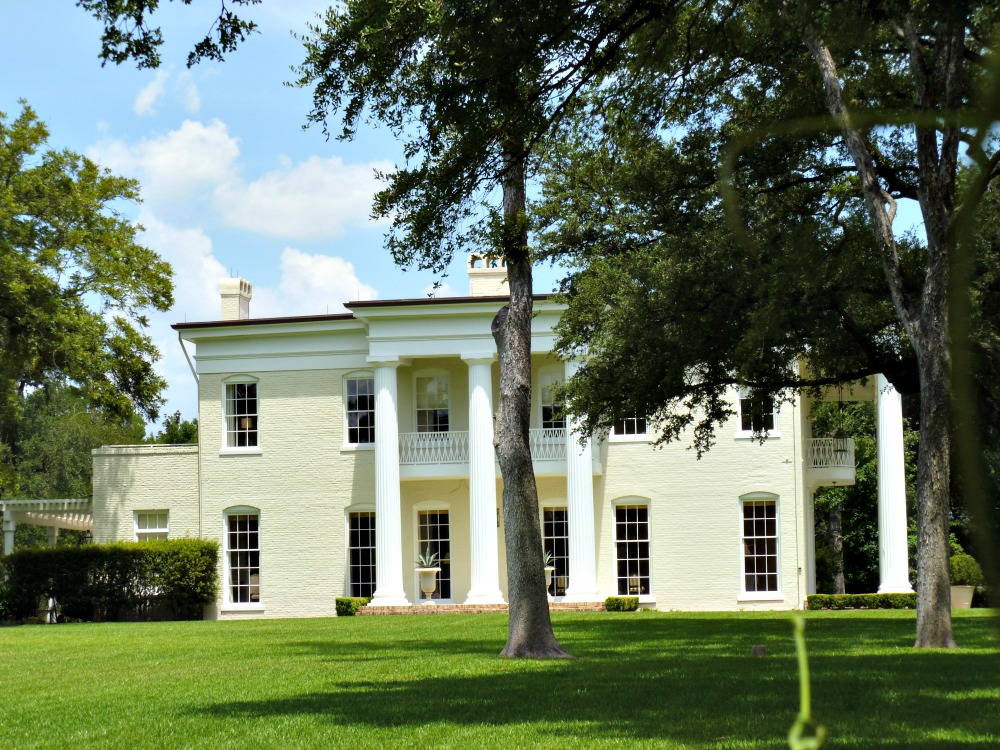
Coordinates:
(428,568)
(965,576)
(548,561)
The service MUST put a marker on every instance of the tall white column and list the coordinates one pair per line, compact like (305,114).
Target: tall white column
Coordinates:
(580,501)
(893,556)
(53,532)
(388,527)
(8,535)
(482,485)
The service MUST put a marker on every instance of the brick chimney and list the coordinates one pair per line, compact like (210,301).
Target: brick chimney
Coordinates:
(487,276)
(236,294)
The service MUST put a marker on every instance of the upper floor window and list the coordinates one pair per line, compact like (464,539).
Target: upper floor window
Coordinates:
(432,403)
(634,425)
(360,410)
(756,413)
(553,417)
(151,525)
(241,415)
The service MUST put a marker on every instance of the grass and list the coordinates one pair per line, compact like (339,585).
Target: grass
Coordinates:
(664,680)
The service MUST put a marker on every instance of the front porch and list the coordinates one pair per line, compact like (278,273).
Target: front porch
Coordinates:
(474,609)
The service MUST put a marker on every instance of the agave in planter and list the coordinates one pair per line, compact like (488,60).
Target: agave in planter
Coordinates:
(428,566)
(549,563)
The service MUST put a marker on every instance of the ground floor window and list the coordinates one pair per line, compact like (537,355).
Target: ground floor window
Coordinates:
(243,553)
(435,537)
(362,554)
(151,525)
(632,549)
(555,541)
(760,545)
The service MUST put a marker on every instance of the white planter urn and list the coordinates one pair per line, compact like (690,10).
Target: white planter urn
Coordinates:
(549,570)
(428,582)
(961,597)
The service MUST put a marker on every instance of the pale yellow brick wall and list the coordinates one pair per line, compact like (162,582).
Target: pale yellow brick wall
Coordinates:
(302,480)
(144,477)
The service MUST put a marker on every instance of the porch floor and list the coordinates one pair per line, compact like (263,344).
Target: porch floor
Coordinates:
(474,609)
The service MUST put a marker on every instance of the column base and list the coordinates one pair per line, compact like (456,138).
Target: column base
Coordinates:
(388,601)
(492,597)
(895,588)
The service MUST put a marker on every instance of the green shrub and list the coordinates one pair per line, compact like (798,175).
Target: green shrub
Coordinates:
(122,581)
(348,606)
(861,601)
(621,603)
(965,571)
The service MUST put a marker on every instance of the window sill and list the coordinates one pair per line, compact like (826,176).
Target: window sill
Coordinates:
(352,447)
(240,452)
(643,438)
(250,607)
(761,596)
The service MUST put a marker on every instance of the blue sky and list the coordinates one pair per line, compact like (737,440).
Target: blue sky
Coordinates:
(231,183)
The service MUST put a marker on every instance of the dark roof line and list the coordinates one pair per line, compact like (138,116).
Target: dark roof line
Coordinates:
(259,321)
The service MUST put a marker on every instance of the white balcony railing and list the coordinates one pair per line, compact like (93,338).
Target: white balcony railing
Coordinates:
(433,447)
(548,444)
(832,453)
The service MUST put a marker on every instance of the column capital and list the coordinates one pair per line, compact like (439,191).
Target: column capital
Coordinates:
(384,362)
(479,358)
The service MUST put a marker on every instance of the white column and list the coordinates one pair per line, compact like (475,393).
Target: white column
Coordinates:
(893,558)
(53,535)
(388,528)
(482,485)
(580,501)
(8,535)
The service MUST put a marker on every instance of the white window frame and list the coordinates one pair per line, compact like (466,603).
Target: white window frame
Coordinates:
(351,510)
(634,501)
(226,448)
(227,596)
(433,506)
(758,596)
(741,434)
(348,445)
(555,504)
(424,374)
(635,437)
(149,531)
(548,378)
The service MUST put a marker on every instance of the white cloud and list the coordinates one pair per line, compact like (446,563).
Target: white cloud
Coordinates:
(149,96)
(310,285)
(171,166)
(188,92)
(313,199)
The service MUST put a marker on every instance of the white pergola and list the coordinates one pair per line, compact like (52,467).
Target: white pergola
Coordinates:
(76,514)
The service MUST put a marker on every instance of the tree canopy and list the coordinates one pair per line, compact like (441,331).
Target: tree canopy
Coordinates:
(76,284)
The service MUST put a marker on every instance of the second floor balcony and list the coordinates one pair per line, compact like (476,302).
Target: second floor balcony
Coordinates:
(830,462)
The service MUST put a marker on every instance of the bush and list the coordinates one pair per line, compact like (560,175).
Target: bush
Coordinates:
(861,601)
(112,582)
(348,606)
(965,571)
(621,603)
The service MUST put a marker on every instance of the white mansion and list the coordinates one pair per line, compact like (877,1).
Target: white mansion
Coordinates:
(335,448)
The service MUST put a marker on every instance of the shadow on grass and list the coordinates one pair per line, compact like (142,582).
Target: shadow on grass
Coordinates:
(689,680)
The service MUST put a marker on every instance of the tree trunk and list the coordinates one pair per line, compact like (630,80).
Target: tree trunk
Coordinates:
(837,547)
(529,631)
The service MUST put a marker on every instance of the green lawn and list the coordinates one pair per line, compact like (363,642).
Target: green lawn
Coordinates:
(666,680)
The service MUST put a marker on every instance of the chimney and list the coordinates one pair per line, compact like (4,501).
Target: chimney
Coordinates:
(487,276)
(236,294)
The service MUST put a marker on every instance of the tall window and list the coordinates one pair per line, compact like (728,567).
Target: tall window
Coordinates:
(760,545)
(360,411)
(756,414)
(241,415)
(432,403)
(362,554)
(634,425)
(632,549)
(555,541)
(151,524)
(435,536)
(552,410)
(243,552)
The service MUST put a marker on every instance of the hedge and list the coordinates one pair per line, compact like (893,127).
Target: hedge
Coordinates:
(348,606)
(171,579)
(861,601)
(621,603)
